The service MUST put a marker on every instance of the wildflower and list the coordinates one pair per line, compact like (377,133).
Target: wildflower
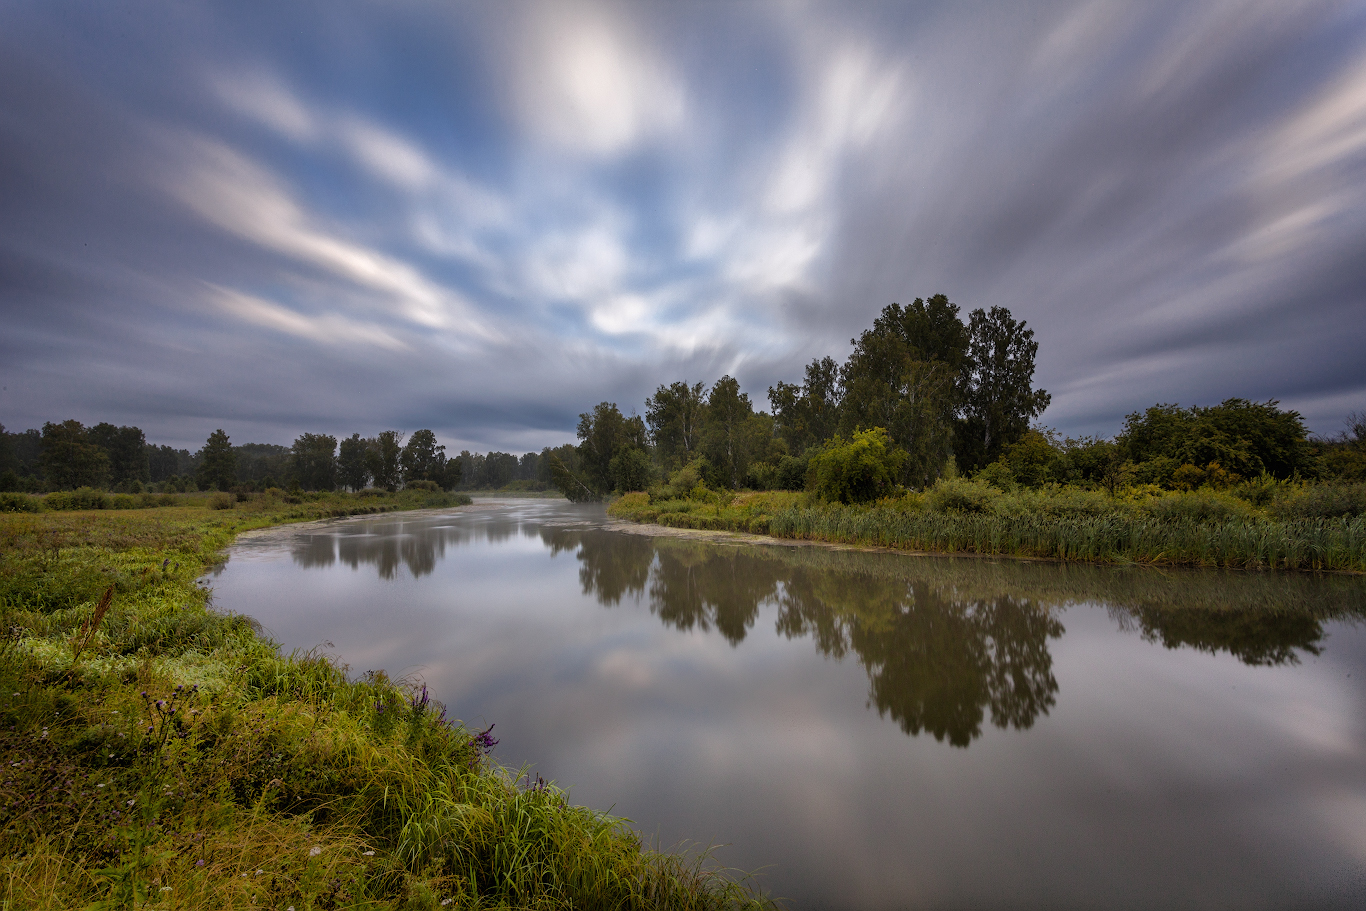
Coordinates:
(314,851)
(199,863)
(446,901)
(259,872)
(368,853)
(165,888)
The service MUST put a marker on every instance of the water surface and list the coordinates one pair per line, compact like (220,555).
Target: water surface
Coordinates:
(874,730)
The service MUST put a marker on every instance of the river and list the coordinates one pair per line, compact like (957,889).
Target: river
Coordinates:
(872,730)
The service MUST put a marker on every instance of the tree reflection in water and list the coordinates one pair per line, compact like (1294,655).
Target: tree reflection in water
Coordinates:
(946,643)
(935,663)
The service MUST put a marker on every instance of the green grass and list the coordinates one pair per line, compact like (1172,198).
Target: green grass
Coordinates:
(162,755)
(1144,526)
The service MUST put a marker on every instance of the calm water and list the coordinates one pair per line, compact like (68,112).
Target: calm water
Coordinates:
(874,730)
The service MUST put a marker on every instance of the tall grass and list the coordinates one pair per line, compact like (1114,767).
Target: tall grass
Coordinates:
(1197,529)
(156,754)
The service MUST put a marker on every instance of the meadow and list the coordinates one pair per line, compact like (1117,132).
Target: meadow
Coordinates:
(155,753)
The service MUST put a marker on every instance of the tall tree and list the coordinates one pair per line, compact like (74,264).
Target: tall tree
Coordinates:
(604,432)
(71,459)
(313,461)
(727,432)
(423,458)
(808,415)
(351,469)
(674,415)
(382,459)
(127,451)
(906,374)
(217,463)
(999,400)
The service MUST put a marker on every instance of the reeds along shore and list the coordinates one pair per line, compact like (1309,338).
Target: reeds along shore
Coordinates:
(154,753)
(1203,528)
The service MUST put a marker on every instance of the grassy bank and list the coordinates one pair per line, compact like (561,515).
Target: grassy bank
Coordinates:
(154,753)
(1147,526)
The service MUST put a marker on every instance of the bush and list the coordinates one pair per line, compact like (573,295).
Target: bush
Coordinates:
(80,498)
(422,484)
(1197,506)
(960,495)
(222,500)
(123,501)
(857,470)
(1321,501)
(19,502)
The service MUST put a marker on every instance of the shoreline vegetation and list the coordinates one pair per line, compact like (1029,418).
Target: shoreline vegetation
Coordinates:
(1145,526)
(155,753)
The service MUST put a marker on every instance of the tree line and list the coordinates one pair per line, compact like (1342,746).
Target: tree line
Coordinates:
(68,455)
(925,394)
(949,395)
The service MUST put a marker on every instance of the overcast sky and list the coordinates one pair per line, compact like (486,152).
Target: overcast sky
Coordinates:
(484,218)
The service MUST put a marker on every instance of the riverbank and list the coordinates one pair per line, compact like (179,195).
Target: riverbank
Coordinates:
(158,754)
(1162,529)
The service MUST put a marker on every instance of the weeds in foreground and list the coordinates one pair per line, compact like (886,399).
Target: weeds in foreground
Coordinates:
(155,754)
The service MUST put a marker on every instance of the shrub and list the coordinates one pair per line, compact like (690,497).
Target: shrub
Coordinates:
(1197,506)
(80,498)
(960,495)
(19,502)
(857,470)
(1320,501)
(123,501)
(222,500)
(422,484)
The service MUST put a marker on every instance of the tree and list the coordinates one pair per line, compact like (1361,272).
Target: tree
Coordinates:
(71,459)
(857,470)
(313,461)
(674,415)
(127,451)
(604,432)
(217,463)
(727,432)
(423,459)
(499,470)
(351,468)
(808,415)
(999,399)
(382,459)
(907,374)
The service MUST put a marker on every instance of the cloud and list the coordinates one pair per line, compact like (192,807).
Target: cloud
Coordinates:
(585,81)
(329,328)
(235,194)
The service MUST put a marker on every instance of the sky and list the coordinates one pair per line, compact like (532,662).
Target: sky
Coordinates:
(485,218)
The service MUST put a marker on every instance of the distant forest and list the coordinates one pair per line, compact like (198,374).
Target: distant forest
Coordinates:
(929,394)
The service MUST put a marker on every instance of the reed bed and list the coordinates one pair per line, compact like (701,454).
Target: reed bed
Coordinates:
(1173,530)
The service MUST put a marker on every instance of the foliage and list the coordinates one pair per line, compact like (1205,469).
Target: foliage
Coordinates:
(807,415)
(605,433)
(313,459)
(674,416)
(126,448)
(856,470)
(217,463)
(1143,525)
(424,459)
(382,459)
(1320,501)
(70,458)
(351,468)
(999,399)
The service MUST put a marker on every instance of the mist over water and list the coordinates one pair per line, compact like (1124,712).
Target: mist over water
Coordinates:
(873,730)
